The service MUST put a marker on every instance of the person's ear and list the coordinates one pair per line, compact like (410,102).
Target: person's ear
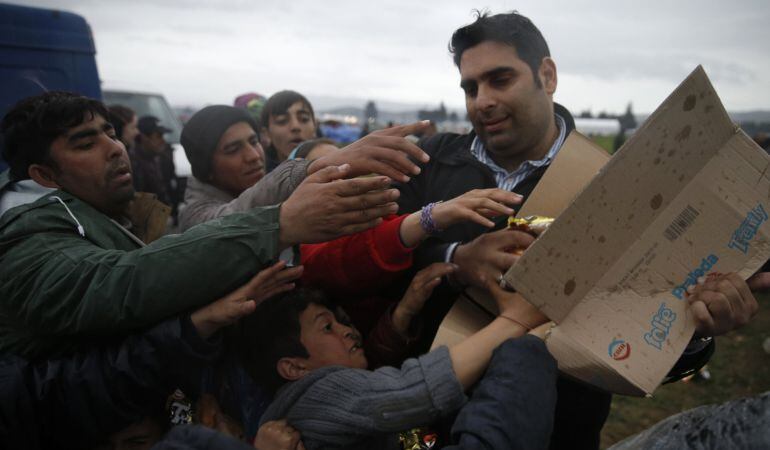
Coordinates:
(43,175)
(547,74)
(292,368)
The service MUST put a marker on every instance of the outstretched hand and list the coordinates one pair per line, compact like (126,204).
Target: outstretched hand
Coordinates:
(486,258)
(278,435)
(419,290)
(242,301)
(326,206)
(384,152)
(476,206)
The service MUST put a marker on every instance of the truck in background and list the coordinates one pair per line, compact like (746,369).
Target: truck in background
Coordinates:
(154,104)
(51,50)
(42,50)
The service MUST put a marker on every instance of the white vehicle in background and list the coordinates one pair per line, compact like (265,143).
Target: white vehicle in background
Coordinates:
(154,104)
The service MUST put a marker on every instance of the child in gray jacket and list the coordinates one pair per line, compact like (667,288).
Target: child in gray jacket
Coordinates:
(303,344)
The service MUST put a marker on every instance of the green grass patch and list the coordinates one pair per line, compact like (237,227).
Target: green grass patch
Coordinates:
(606,142)
(739,368)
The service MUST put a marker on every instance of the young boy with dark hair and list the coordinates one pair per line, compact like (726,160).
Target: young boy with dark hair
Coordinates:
(287,119)
(304,346)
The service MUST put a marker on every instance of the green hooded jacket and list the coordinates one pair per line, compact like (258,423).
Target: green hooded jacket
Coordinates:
(69,274)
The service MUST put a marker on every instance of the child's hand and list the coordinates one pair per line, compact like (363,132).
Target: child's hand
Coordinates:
(542,331)
(278,435)
(242,301)
(418,292)
(514,307)
(475,206)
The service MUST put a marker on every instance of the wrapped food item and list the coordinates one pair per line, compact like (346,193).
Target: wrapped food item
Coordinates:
(534,225)
(418,439)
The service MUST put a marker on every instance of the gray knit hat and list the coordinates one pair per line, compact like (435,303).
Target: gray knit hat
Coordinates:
(201,134)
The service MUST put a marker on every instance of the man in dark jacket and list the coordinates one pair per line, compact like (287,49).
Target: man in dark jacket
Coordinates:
(148,160)
(78,400)
(509,80)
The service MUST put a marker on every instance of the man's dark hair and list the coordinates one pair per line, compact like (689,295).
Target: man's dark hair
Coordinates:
(30,127)
(273,332)
(279,103)
(120,116)
(511,29)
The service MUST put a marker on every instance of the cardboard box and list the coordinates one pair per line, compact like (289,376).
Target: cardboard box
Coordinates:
(576,164)
(687,196)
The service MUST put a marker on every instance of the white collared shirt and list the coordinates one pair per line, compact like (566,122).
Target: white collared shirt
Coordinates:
(509,180)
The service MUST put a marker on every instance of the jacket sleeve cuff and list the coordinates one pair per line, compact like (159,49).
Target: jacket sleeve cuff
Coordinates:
(444,387)
(203,348)
(389,251)
(429,252)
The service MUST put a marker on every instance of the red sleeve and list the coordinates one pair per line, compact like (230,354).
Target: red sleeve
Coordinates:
(385,347)
(359,263)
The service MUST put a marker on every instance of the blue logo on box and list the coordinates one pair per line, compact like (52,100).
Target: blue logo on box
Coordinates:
(661,325)
(748,229)
(692,278)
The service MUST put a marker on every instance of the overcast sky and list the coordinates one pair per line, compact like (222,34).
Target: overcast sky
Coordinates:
(607,53)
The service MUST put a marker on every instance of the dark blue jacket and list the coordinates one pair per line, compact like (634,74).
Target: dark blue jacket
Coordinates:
(77,401)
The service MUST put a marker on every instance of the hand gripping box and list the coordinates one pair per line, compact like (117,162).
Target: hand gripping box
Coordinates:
(687,196)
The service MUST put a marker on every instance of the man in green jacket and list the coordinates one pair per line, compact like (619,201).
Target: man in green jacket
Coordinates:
(72,271)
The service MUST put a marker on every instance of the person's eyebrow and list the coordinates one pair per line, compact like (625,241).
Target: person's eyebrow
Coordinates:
(464,84)
(321,315)
(497,71)
(232,145)
(238,142)
(89,132)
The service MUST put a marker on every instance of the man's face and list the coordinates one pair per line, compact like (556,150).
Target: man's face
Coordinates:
(510,113)
(155,142)
(130,131)
(92,164)
(291,129)
(239,161)
(328,342)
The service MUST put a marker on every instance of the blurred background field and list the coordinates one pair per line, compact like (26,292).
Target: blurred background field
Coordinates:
(739,368)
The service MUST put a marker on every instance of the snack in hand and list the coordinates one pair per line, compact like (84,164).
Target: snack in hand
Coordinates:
(534,225)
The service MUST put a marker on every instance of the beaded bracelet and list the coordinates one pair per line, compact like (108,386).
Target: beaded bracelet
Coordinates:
(426,219)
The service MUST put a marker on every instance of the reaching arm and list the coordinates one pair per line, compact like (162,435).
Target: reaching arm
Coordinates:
(273,188)
(65,285)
